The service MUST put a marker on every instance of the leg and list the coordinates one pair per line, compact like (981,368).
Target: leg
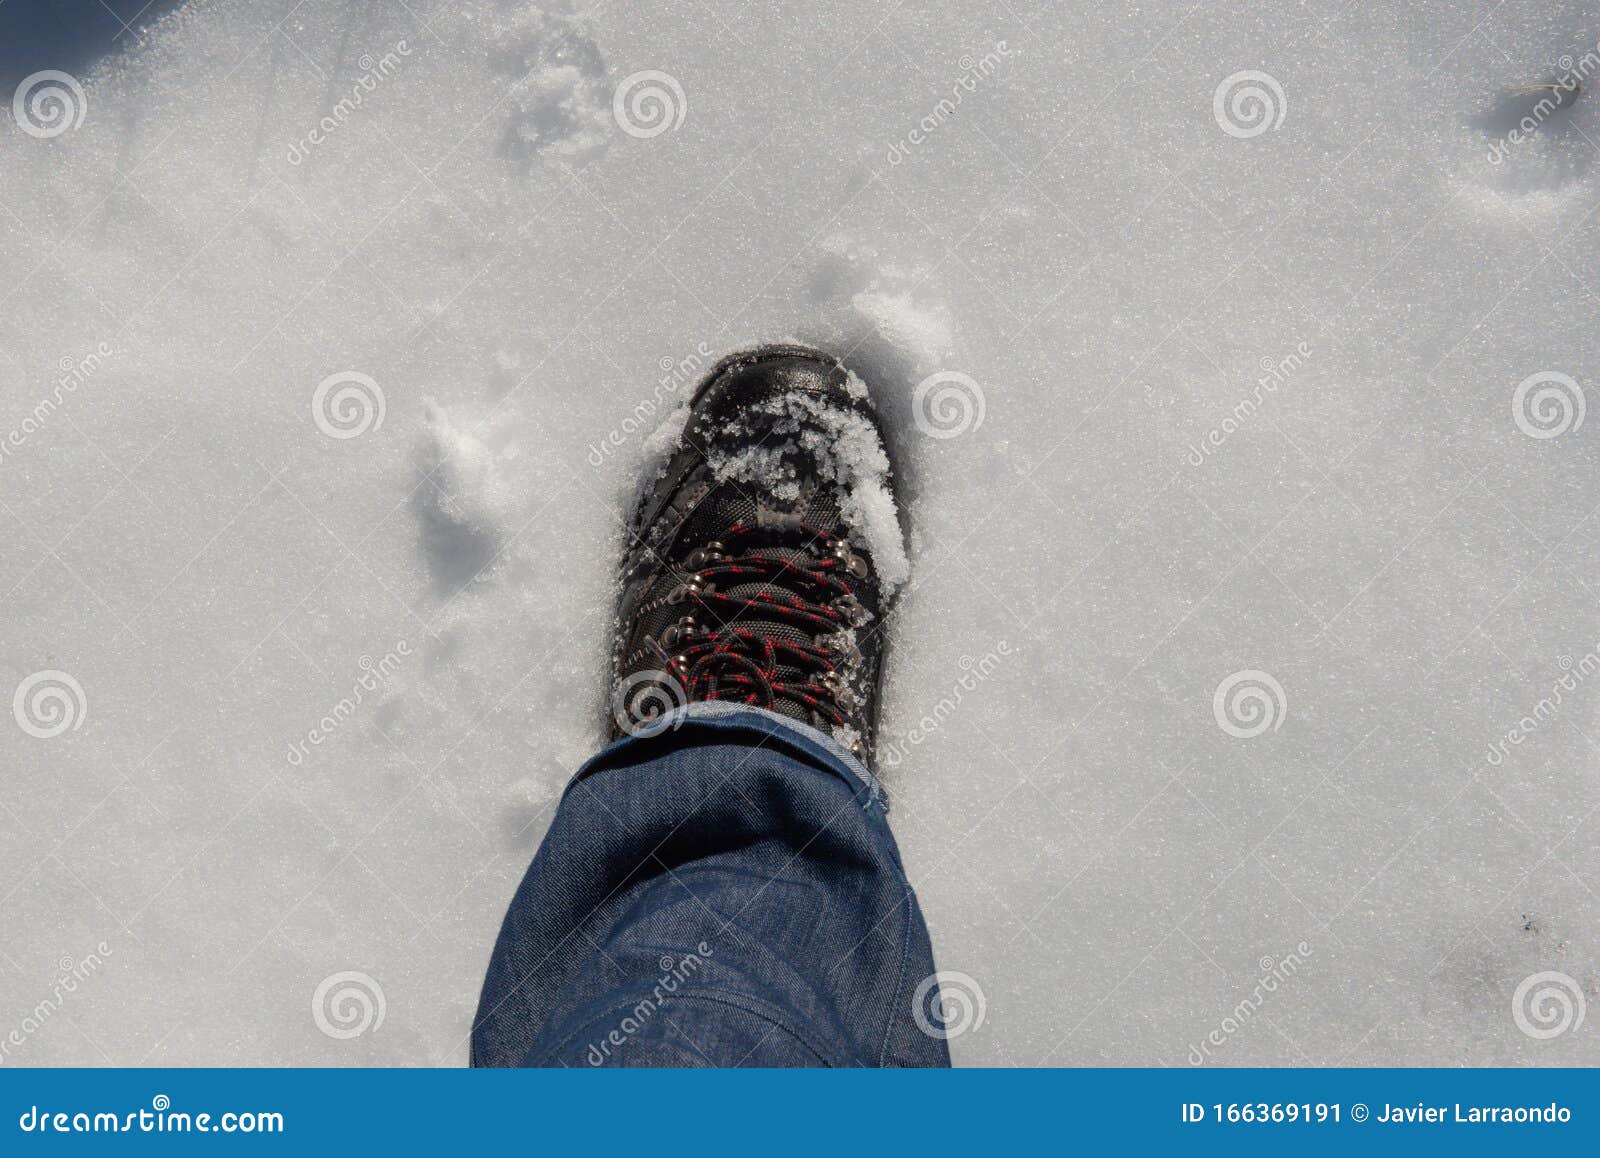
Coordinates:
(720,886)
(724,892)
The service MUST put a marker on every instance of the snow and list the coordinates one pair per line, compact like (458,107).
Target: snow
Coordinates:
(664,441)
(844,449)
(531,273)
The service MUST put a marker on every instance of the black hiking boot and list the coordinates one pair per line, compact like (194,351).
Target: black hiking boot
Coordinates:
(764,555)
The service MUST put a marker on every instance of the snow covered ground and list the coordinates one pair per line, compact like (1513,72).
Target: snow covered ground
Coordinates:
(332,336)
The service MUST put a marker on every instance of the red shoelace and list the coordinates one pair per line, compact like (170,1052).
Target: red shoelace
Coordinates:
(722,660)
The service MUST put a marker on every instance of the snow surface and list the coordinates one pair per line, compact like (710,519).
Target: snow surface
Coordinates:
(330,670)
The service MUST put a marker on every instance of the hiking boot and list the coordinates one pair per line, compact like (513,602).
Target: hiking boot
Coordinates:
(764,553)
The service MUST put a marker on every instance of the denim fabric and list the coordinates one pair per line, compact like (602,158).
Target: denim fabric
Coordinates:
(724,891)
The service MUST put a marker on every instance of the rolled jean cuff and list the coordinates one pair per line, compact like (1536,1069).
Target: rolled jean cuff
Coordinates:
(716,718)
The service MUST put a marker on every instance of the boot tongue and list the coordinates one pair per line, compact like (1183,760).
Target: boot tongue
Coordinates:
(776,630)
(796,521)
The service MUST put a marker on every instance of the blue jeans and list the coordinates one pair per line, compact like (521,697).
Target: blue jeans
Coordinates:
(723,891)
